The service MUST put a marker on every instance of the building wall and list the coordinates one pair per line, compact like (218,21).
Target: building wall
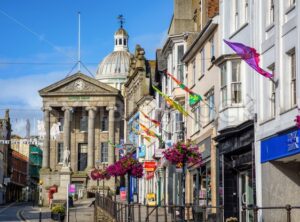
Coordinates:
(276,37)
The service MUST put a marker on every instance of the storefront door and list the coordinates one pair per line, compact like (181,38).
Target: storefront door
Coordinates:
(245,194)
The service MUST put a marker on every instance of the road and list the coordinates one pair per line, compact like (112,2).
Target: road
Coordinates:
(10,212)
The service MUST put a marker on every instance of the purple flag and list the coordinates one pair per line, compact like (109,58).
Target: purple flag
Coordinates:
(250,56)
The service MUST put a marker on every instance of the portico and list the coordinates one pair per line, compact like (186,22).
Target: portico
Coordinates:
(89,114)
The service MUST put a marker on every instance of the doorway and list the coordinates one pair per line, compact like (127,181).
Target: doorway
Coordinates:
(245,194)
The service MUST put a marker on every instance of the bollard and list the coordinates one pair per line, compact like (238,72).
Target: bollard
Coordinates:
(40,215)
(288,212)
(156,214)
(140,219)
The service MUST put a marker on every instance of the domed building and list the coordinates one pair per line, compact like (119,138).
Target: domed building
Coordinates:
(113,70)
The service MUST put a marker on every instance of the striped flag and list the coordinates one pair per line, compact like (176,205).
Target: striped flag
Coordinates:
(149,132)
(193,97)
(156,123)
(172,102)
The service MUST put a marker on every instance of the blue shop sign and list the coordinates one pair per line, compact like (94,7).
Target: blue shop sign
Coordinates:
(280,146)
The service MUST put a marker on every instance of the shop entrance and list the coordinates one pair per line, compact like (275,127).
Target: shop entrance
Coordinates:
(245,194)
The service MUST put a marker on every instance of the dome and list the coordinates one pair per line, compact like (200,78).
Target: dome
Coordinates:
(113,66)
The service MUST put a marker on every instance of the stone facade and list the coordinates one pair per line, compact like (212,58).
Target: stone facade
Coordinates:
(88,114)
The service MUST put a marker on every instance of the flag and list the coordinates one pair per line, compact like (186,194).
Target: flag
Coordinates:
(193,97)
(250,56)
(149,132)
(156,123)
(172,102)
(297,120)
(143,136)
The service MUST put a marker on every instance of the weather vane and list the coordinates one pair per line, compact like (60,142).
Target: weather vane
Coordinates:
(121,20)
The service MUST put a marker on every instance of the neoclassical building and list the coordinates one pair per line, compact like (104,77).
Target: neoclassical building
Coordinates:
(88,114)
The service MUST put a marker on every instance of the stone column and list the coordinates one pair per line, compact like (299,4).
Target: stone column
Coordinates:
(111,134)
(46,150)
(67,124)
(91,136)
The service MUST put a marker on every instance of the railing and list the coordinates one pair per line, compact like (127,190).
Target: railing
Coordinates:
(123,212)
(284,212)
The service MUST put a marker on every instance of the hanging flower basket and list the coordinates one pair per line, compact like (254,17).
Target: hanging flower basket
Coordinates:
(183,153)
(125,165)
(97,174)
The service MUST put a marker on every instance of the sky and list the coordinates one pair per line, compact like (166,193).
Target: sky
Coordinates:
(38,44)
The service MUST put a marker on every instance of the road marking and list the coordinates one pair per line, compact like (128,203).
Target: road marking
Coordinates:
(21,217)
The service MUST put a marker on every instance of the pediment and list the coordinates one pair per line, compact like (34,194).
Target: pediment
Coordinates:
(78,84)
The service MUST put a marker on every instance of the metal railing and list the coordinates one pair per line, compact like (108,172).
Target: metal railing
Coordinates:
(123,212)
(285,212)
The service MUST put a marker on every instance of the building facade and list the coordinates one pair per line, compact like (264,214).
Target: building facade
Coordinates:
(5,156)
(277,137)
(203,79)
(88,114)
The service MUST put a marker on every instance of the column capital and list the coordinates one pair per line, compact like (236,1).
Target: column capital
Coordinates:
(67,108)
(93,108)
(46,108)
(108,108)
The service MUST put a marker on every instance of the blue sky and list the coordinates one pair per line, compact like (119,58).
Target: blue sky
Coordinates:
(39,43)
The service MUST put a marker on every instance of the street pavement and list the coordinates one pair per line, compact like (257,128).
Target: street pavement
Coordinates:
(11,212)
(81,212)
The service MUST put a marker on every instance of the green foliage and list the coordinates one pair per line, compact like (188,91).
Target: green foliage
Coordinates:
(58,209)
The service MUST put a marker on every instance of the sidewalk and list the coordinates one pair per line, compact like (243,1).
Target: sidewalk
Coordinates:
(81,212)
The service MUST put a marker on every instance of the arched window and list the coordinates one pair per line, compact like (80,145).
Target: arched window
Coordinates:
(125,42)
(116,41)
(120,41)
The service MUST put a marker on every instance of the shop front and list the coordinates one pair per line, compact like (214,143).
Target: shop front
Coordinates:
(280,164)
(236,170)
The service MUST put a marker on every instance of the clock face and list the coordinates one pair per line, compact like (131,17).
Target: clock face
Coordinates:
(79,84)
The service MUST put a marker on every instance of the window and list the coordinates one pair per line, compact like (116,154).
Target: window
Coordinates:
(202,62)
(272,93)
(180,65)
(271,12)
(246,8)
(104,152)
(116,41)
(120,41)
(212,48)
(60,152)
(293,78)
(236,94)
(194,72)
(292,2)
(179,126)
(104,121)
(197,123)
(83,121)
(236,15)
(61,121)
(223,85)
(125,42)
(210,105)
(82,156)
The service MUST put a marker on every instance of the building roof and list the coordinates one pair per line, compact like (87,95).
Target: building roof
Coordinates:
(113,66)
